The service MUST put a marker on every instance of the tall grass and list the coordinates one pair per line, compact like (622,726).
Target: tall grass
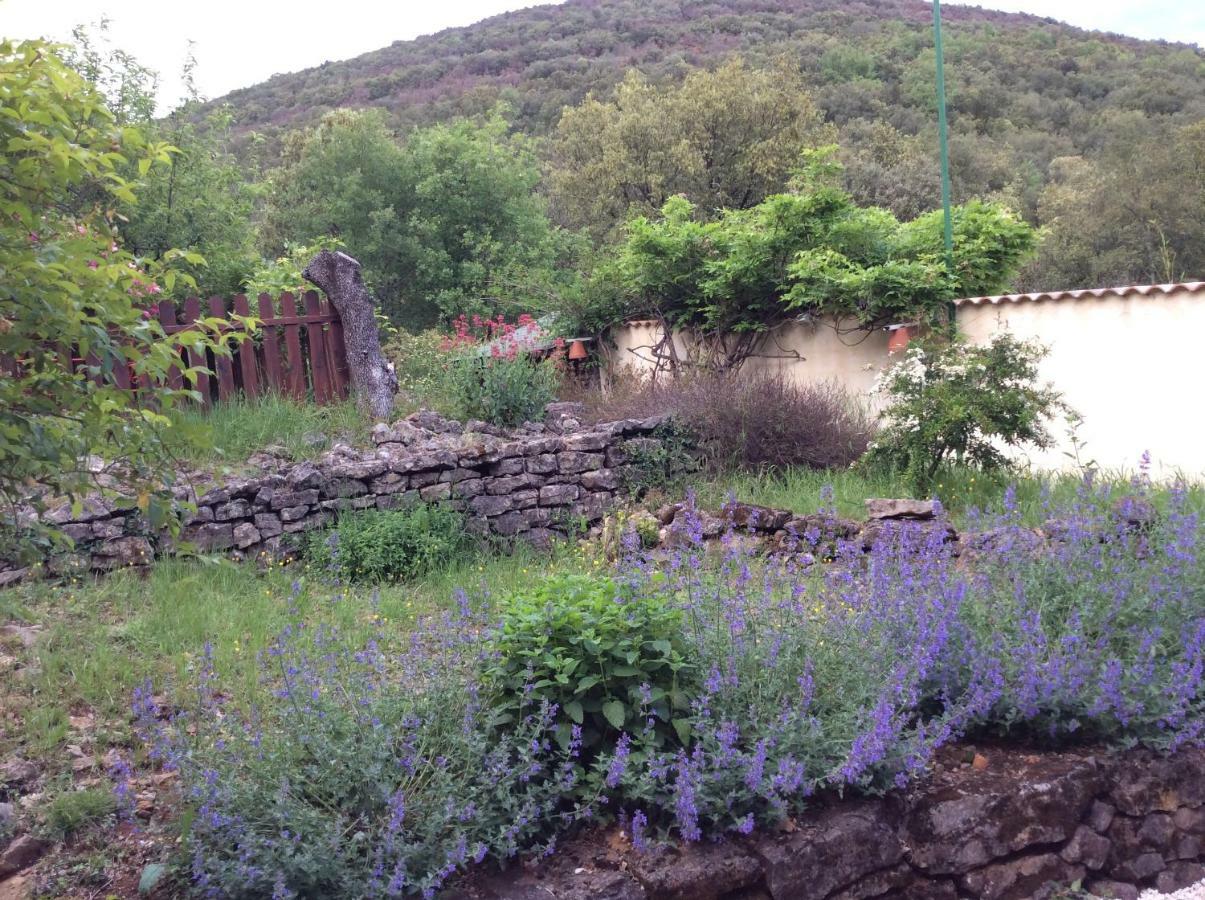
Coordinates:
(232,431)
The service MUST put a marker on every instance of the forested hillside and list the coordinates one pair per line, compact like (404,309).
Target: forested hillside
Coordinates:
(1090,133)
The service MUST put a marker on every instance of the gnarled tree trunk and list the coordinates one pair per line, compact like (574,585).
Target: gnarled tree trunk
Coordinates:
(373,379)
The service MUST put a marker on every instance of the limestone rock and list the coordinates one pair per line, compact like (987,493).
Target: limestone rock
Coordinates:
(1027,877)
(696,871)
(21,853)
(879,508)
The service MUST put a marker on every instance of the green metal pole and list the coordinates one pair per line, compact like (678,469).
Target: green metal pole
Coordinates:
(943,135)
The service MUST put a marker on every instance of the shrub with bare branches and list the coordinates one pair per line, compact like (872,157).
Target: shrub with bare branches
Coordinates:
(750,420)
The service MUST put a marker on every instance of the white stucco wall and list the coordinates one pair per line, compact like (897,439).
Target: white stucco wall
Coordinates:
(1125,358)
(1129,363)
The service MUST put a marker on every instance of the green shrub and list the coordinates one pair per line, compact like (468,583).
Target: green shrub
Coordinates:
(421,363)
(73,810)
(963,404)
(612,663)
(390,545)
(503,390)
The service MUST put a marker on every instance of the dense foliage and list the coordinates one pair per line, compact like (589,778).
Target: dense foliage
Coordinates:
(809,252)
(1030,100)
(491,374)
(436,219)
(962,404)
(389,545)
(607,662)
(724,140)
(385,768)
(75,306)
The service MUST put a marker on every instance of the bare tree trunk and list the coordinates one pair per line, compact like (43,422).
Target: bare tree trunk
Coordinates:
(372,377)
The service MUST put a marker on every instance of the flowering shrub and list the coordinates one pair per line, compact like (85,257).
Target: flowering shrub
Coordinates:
(494,376)
(382,768)
(389,545)
(612,663)
(963,403)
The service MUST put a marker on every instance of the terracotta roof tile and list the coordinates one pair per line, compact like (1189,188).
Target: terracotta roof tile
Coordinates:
(1134,290)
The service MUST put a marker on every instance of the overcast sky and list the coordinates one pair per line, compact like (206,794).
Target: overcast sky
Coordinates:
(241,42)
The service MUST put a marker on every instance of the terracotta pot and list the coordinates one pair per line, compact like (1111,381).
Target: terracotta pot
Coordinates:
(899,338)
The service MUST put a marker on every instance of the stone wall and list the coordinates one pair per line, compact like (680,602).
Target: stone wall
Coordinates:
(530,483)
(990,823)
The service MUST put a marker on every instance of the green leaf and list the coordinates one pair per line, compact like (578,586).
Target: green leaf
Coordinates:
(574,710)
(152,874)
(682,729)
(615,712)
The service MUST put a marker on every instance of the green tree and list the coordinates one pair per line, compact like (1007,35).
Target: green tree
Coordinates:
(957,403)
(68,289)
(724,139)
(203,199)
(809,252)
(1134,214)
(436,220)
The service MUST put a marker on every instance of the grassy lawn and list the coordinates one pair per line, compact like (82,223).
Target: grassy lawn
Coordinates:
(100,637)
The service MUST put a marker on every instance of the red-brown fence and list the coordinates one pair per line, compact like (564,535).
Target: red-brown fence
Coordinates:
(295,353)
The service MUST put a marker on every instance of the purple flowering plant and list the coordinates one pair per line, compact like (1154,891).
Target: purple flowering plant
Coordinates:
(384,769)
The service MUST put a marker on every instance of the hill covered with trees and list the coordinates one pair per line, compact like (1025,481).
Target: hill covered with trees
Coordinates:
(1096,136)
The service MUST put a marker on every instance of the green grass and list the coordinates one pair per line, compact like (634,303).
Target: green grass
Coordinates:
(70,811)
(232,431)
(960,490)
(104,636)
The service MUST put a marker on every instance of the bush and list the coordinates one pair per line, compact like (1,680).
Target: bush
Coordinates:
(503,391)
(390,545)
(962,403)
(609,662)
(70,288)
(752,420)
(366,772)
(495,372)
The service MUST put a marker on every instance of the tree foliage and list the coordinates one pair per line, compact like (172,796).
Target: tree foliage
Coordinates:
(809,252)
(724,139)
(68,288)
(202,199)
(434,219)
(1134,214)
(1024,95)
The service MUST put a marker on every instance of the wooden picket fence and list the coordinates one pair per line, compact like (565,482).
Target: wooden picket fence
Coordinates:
(294,353)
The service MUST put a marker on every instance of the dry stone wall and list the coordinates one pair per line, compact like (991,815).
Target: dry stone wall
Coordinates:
(531,483)
(989,823)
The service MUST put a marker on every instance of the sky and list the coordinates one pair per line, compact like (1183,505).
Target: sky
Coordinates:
(242,42)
